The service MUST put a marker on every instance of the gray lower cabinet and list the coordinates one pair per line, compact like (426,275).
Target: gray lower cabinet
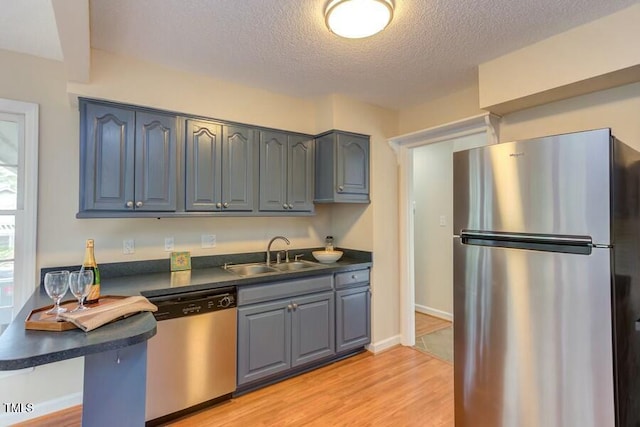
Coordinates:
(128,159)
(276,336)
(353,318)
(286,172)
(342,168)
(220,167)
(353,310)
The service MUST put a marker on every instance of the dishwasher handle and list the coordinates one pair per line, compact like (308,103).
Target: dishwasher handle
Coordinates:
(194,295)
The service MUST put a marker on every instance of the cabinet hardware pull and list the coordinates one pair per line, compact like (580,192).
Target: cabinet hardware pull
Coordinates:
(295,306)
(225,204)
(138,204)
(340,188)
(218,205)
(290,307)
(129,204)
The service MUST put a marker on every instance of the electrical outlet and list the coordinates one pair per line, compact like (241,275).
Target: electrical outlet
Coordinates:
(128,246)
(443,220)
(208,241)
(168,244)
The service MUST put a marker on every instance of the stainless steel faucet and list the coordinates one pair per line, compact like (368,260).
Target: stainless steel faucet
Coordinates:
(269,246)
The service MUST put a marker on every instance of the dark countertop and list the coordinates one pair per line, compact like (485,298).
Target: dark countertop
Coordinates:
(21,348)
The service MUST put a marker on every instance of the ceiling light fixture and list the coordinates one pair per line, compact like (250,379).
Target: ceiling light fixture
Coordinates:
(355,19)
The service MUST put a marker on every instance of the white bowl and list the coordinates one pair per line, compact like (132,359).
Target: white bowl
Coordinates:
(327,257)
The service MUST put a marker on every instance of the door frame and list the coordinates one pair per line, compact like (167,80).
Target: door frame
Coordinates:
(403,145)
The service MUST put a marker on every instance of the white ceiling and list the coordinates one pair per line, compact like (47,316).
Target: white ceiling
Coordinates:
(431,47)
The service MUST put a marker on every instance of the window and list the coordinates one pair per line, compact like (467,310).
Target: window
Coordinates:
(18,200)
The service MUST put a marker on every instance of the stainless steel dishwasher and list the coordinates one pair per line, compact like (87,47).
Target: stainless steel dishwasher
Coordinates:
(191,362)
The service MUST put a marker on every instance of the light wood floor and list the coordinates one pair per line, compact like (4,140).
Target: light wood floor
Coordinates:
(426,324)
(399,387)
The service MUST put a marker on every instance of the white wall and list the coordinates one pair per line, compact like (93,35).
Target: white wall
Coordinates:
(600,54)
(371,227)
(433,198)
(449,108)
(618,109)
(433,243)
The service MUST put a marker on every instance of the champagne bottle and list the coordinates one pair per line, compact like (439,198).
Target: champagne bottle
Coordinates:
(89,263)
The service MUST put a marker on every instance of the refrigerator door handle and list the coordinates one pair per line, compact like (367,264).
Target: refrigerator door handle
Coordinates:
(527,237)
(580,245)
(638,325)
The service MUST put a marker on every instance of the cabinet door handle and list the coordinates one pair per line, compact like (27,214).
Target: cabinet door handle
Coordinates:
(225,205)
(353,276)
(138,204)
(129,204)
(218,205)
(340,188)
(285,206)
(290,206)
(289,307)
(295,306)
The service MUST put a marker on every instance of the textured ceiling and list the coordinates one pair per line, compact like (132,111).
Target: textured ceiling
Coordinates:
(431,47)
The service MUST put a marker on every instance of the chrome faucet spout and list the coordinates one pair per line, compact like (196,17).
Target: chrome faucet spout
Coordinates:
(268,261)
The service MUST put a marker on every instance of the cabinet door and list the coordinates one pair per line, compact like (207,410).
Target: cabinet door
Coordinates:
(353,318)
(107,153)
(273,171)
(264,340)
(300,174)
(352,168)
(204,166)
(312,328)
(156,161)
(238,168)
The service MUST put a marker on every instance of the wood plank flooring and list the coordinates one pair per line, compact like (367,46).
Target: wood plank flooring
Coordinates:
(426,324)
(398,387)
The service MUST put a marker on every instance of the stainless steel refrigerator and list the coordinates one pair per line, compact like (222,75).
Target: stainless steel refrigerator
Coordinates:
(547,283)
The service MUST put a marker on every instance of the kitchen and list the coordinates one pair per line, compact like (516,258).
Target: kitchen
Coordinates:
(371,227)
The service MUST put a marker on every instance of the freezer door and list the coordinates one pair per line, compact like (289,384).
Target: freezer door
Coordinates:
(532,338)
(553,185)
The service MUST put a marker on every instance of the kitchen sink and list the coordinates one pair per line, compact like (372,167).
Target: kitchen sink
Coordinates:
(250,269)
(294,265)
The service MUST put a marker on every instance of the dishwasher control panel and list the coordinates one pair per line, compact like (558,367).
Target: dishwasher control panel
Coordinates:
(193,303)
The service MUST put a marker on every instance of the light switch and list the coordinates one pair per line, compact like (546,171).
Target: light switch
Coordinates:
(208,241)
(443,220)
(128,246)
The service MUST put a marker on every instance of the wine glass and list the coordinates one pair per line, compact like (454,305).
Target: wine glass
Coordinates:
(56,284)
(80,284)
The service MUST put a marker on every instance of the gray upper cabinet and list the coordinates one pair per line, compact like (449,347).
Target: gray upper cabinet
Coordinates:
(204,166)
(286,172)
(128,160)
(342,168)
(140,162)
(107,157)
(156,162)
(239,168)
(220,167)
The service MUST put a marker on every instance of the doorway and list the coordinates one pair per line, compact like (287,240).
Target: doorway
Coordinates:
(455,136)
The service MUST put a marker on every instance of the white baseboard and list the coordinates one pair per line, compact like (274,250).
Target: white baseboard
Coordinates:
(434,312)
(40,409)
(384,344)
